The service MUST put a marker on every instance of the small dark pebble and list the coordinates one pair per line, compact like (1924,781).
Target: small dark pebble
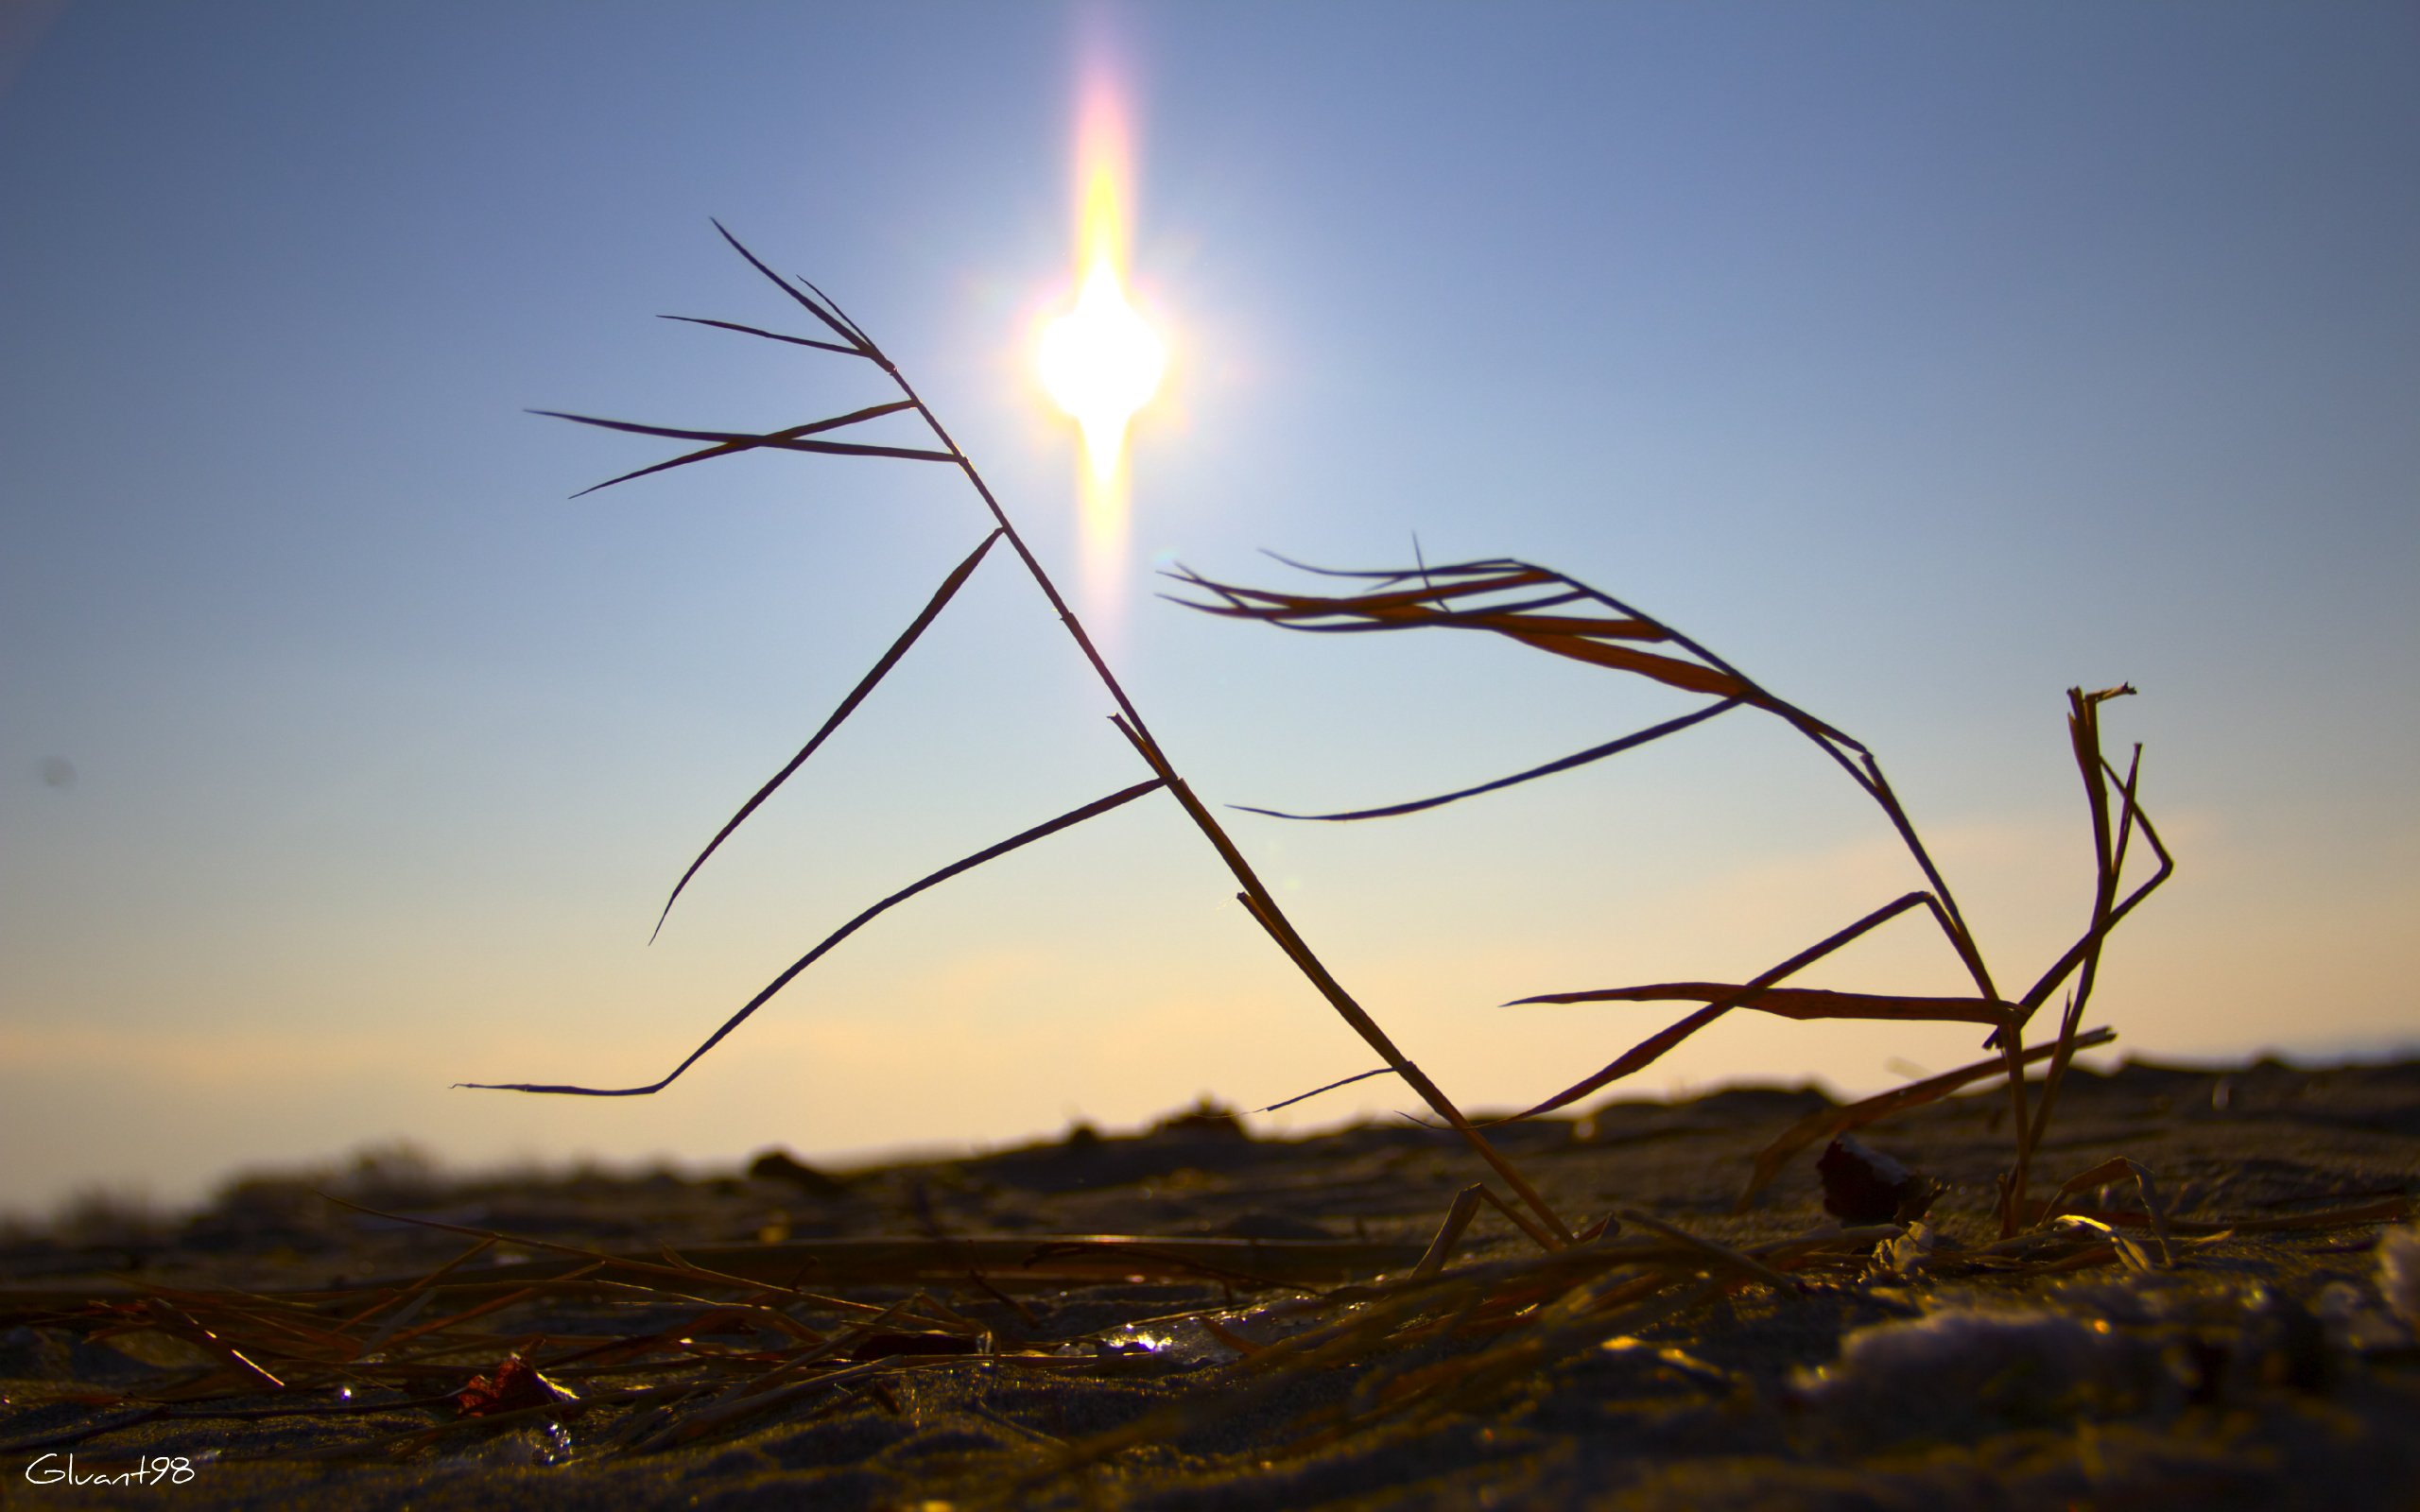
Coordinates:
(1862,1185)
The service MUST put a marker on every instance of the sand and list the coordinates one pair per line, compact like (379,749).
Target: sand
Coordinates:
(2266,1367)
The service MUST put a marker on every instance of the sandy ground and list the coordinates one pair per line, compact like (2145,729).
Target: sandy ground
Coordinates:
(2267,1367)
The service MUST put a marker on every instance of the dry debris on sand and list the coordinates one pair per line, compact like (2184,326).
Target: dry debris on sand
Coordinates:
(1277,1331)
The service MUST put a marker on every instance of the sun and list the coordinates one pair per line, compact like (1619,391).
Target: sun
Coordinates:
(1099,358)
(1101,362)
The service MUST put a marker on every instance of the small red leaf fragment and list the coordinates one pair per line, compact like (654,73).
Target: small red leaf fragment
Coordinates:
(517,1385)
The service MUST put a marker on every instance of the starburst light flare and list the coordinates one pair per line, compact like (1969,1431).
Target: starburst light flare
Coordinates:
(1101,361)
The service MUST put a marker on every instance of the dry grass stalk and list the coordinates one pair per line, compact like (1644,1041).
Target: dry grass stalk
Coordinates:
(415,1339)
(850,339)
(1534,607)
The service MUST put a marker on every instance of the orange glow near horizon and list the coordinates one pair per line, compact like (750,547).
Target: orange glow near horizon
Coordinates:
(1101,361)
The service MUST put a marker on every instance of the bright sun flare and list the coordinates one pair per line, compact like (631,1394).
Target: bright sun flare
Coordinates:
(1101,363)
(1099,360)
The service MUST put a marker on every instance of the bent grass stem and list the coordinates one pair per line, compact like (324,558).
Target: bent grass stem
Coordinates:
(1257,896)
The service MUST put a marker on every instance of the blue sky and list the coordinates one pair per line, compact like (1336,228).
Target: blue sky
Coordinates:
(1923,361)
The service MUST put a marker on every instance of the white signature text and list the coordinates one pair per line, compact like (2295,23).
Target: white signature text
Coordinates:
(174,1470)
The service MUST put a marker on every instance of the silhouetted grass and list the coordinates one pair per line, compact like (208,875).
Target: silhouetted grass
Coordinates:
(1362,1304)
(1545,611)
(1256,898)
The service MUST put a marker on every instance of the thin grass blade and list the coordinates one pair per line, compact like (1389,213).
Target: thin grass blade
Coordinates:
(1411,608)
(1484,567)
(1800,1003)
(741,437)
(1074,817)
(1511,618)
(1413,604)
(1648,1050)
(769,336)
(1347,1081)
(2060,970)
(2073,1016)
(1611,747)
(1670,671)
(1449,1233)
(790,438)
(856,343)
(931,611)
(1523,618)
(856,331)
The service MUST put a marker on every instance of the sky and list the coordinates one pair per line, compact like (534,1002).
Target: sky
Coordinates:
(1921,361)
